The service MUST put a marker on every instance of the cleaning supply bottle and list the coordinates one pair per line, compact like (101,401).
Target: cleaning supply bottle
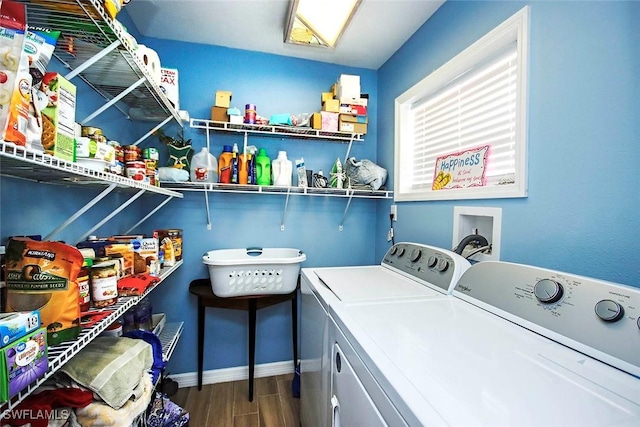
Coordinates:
(282,169)
(204,167)
(224,165)
(251,165)
(234,165)
(263,168)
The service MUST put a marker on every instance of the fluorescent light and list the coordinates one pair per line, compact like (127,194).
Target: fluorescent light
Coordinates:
(318,22)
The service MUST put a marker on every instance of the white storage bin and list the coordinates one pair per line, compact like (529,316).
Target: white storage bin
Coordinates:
(253,271)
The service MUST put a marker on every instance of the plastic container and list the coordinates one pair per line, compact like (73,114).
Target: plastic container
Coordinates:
(204,167)
(282,169)
(253,271)
(235,166)
(224,165)
(263,168)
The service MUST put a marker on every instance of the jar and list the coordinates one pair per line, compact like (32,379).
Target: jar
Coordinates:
(175,235)
(84,285)
(104,284)
(150,153)
(143,316)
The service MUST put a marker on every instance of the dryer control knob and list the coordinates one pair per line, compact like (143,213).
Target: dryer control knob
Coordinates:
(415,255)
(432,262)
(609,311)
(401,251)
(394,249)
(548,291)
(443,265)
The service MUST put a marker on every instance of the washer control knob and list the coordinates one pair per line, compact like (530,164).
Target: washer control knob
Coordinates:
(432,262)
(443,265)
(548,291)
(394,249)
(401,251)
(415,255)
(609,311)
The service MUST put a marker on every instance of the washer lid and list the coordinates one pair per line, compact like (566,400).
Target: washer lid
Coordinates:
(370,283)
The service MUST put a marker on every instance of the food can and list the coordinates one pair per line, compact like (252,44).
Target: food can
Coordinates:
(150,153)
(250,113)
(175,235)
(136,171)
(104,284)
(131,153)
(84,285)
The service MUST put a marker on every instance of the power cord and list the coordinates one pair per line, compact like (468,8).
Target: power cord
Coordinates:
(390,237)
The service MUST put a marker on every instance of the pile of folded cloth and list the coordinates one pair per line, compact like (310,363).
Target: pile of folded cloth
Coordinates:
(108,383)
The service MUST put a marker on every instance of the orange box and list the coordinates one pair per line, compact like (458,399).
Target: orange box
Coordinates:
(331,105)
(219,114)
(316,121)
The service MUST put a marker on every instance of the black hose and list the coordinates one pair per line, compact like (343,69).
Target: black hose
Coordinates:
(480,241)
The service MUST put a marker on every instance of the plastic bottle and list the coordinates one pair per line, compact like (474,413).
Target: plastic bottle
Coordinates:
(235,167)
(263,168)
(282,169)
(204,167)
(302,173)
(251,165)
(224,165)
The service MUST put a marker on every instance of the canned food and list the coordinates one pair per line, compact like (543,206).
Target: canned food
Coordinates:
(84,285)
(104,284)
(150,153)
(131,153)
(136,171)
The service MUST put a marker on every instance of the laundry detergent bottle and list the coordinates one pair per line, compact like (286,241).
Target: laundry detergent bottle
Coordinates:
(282,169)
(204,167)
(224,165)
(263,168)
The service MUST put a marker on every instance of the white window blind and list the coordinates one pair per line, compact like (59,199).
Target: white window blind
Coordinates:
(476,100)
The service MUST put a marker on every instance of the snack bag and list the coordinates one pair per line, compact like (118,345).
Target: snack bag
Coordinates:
(12,77)
(43,276)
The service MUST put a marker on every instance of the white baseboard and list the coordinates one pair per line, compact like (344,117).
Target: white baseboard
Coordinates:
(190,379)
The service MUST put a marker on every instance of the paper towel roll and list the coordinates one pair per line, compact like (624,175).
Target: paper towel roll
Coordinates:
(151,60)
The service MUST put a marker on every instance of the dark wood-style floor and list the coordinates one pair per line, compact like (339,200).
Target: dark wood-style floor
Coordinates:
(227,404)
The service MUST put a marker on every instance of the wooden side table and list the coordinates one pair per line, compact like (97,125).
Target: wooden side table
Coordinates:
(206,298)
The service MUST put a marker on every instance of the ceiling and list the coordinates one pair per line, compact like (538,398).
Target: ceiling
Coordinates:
(377,30)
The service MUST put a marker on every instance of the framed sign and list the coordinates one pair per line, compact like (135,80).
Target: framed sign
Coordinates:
(463,169)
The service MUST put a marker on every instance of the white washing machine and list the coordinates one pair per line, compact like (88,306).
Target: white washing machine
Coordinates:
(514,345)
(330,368)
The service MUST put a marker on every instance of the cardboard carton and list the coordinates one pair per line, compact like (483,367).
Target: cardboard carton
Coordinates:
(223,99)
(59,117)
(22,363)
(169,85)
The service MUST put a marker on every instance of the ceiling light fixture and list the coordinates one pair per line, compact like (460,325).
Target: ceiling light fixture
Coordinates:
(318,22)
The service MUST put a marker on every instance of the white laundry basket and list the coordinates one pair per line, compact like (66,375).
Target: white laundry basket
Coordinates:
(253,271)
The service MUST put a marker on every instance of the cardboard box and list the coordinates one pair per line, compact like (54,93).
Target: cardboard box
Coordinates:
(122,251)
(223,99)
(331,105)
(169,85)
(354,110)
(22,363)
(329,121)
(345,125)
(348,86)
(59,116)
(219,114)
(316,121)
(145,255)
(16,325)
(349,118)
(326,96)
(236,120)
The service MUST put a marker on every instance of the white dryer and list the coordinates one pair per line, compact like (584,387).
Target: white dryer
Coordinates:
(514,345)
(330,368)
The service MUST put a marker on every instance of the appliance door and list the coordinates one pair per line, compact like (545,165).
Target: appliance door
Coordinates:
(315,360)
(350,403)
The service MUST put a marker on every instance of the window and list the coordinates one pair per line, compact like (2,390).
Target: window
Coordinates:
(461,132)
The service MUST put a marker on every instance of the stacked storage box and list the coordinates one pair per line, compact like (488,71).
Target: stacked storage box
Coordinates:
(344,109)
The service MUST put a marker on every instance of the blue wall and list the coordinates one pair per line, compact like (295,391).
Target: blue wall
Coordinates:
(583,146)
(584,106)
(275,84)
